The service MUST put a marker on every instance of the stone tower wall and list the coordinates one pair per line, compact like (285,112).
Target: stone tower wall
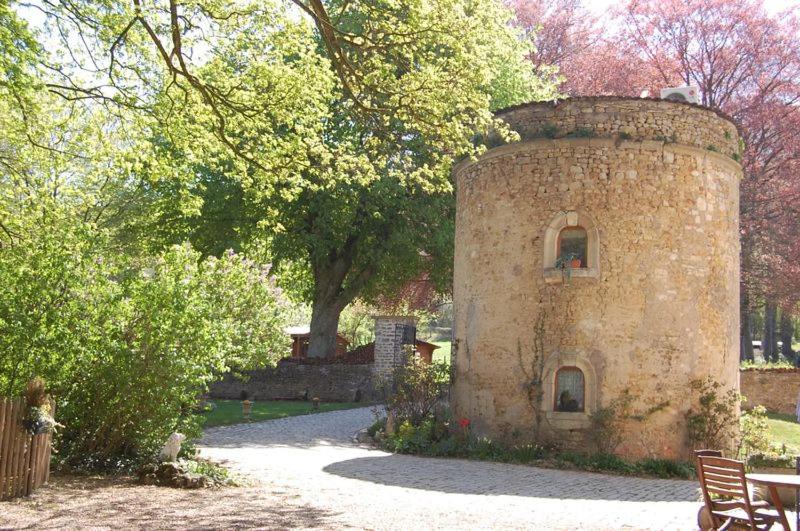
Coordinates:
(657,311)
(635,118)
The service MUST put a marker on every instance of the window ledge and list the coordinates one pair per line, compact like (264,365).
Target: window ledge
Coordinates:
(574,420)
(554,275)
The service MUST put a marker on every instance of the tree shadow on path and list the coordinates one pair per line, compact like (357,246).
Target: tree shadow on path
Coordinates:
(78,502)
(474,477)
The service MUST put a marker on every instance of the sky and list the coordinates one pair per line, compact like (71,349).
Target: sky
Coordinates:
(773,6)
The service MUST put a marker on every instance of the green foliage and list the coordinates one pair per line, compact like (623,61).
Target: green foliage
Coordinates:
(624,136)
(713,148)
(714,422)
(607,433)
(753,365)
(217,475)
(581,132)
(376,427)
(667,139)
(188,473)
(761,446)
(596,462)
(754,432)
(441,439)
(549,130)
(439,435)
(126,346)
(412,438)
(771,460)
(327,136)
(357,323)
(608,422)
(160,336)
(344,175)
(665,468)
(415,390)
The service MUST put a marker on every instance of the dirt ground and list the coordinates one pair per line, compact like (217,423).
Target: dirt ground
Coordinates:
(70,502)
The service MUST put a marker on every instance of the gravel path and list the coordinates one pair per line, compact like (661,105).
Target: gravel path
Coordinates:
(312,460)
(311,476)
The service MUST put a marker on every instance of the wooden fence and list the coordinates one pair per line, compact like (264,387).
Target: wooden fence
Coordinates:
(24,458)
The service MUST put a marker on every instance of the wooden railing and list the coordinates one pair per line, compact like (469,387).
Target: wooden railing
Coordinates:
(24,458)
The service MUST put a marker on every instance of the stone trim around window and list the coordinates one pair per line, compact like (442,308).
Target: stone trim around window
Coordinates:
(569,420)
(562,220)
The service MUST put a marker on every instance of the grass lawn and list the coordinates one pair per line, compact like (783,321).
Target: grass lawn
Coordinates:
(784,429)
(230,411)
(443,353)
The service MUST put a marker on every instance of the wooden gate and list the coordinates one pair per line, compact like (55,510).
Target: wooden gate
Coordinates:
(24,458)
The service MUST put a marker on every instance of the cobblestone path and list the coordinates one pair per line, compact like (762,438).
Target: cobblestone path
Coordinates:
(311,462)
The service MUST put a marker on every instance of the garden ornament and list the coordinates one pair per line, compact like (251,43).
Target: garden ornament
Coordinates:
(170,450)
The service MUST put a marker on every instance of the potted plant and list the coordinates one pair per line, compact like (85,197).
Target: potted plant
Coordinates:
(246,404)
(566,263)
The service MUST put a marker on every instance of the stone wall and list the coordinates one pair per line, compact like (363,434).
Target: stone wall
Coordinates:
(389,343)
(658,309)
(635,118)
(775,389)
(333,382)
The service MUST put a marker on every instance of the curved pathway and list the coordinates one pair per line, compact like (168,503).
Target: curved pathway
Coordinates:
(310,462)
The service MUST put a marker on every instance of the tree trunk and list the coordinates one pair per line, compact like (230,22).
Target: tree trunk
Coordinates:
(324,327)
(336,284)
(746,349)
(769,344)
(787,333)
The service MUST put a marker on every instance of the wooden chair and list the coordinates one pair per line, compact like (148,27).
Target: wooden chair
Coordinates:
(725,479)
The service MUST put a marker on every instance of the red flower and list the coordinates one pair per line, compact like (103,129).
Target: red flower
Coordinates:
(464,423)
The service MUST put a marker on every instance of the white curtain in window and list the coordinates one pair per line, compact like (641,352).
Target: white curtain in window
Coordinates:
(569,390)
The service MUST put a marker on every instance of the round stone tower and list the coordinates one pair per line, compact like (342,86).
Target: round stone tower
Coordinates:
(597,270)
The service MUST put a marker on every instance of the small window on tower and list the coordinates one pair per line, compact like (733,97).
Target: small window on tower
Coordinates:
(573,244)
(569,393)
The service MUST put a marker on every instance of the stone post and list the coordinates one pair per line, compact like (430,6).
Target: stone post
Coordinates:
(391,333)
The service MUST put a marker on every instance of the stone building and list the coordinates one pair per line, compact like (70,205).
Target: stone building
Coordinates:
(597,263)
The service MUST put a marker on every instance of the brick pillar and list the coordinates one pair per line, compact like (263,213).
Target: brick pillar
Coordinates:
(391,333)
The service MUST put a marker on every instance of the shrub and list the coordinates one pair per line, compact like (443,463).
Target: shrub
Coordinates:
(377,426)
(770,460)
(664,468)
(607,432)
(581,132)
(413,439)
(128,345)
(754,432)
(549,130)
(415,390)
(608,422)
(713,424)
(596,462)
(437,438)
(187,473)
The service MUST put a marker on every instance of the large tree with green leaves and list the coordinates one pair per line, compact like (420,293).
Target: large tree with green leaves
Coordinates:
(340,120)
